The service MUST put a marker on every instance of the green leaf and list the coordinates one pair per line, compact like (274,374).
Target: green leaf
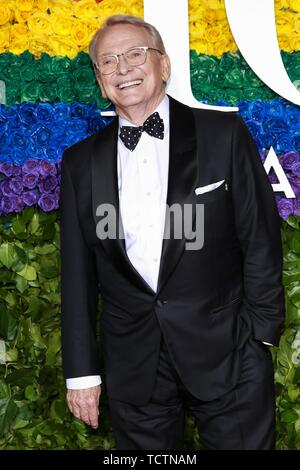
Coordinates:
(4,390)
(21,377)
(35,223)
(21,284)
(8,324)
(28,273)
(49,268)
(31,393)
(289,416)
(8,411)
(45,249)
(12,256)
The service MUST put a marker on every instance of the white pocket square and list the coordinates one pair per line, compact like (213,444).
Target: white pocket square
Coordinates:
(209,187)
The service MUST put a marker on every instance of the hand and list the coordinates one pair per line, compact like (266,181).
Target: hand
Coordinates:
(84,404)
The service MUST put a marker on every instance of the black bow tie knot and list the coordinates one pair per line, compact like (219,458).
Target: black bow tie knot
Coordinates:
(131,135)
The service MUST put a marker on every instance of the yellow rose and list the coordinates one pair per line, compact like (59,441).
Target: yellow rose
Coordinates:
(24,5)
(224,45)
(17,47)
(212,33)
(63,46)
(284,42)
(294,5)
(42,5)
(80,35)
(4,38)
(39,23)
(295,43)
(61,7)
(22,16)
(61,26)
(18,32)
(40,43)
(285,22)
(5,15)
(86,9)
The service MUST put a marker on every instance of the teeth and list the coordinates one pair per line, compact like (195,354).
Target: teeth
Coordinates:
(134,82)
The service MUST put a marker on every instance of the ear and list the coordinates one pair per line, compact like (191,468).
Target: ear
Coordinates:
(165,68)
(100,83)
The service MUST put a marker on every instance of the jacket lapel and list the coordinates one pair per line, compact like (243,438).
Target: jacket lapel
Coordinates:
(182,180)
(105,191)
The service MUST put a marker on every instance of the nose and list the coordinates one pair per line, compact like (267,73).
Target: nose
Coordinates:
(123,66)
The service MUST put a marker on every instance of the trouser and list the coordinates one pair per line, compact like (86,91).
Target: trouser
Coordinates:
(243,418)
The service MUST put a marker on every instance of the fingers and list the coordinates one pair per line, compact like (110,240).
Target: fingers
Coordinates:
(84,405)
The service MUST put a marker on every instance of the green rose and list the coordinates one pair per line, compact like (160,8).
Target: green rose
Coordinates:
(29,72)
(234,78)
(230,60)
(30,91)
(60,65)
(81,60)
(84,78)
(12,93)
(67,94)
(48,92)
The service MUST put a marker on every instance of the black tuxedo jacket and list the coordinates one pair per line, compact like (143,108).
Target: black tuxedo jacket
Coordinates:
(208,301)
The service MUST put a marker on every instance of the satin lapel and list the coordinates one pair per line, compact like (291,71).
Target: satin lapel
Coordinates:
(105,191)
(182,180)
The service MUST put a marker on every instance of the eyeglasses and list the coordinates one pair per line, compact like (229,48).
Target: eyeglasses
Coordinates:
(108,63)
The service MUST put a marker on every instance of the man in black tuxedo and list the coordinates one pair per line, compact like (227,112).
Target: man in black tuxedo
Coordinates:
(184,324)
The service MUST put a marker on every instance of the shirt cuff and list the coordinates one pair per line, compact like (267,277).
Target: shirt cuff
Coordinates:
(88,381)
(268,344)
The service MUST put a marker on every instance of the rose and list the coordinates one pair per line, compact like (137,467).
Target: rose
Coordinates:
(31,166)
(6,205)
(5,15)
(16,184)
(30,180)
(6,168)
(46,168)
(84,78)
(285,207)
(257,110)
(30,197)
(289,159)
(47,184)
(47,202)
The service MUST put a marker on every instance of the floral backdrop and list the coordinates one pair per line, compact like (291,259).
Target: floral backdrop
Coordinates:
(49,100)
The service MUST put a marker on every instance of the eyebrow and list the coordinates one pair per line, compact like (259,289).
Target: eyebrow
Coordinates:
(131,47)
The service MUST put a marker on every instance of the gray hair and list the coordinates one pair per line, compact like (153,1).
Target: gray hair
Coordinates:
(124,19)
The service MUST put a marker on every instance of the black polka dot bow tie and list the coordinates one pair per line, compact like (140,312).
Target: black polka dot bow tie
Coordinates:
(131,135)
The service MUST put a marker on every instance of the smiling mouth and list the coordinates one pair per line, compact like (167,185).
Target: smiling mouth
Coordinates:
(130,84)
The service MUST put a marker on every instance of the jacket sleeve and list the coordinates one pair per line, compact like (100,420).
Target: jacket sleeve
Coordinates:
(79,287)
(258,230)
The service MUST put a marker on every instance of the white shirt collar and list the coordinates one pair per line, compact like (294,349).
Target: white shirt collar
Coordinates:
(162,109)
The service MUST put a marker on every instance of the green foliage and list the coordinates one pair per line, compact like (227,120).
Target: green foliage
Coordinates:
(33,411)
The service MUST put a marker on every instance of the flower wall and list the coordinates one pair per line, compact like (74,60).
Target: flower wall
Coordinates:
(51,101)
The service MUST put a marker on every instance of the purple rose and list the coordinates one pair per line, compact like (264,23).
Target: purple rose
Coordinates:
(17,170)
(5,188)
(30,180)
(6,168)
(47,168)
(16,184)
(289,159)
(297,206)
(18,204)
(6,205)
(47,202)
(30,197)
(296,169)
(31,166)
(47,184)
(285,207)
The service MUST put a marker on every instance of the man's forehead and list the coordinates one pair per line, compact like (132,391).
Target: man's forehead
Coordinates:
(122,36)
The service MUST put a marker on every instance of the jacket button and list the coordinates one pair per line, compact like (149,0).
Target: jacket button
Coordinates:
(159,303)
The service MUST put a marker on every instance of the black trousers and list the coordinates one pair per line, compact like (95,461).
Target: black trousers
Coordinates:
(244,418)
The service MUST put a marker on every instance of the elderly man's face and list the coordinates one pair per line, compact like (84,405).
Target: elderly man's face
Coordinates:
(149,78)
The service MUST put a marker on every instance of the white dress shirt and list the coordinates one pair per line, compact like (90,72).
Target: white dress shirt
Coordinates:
(142,184)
